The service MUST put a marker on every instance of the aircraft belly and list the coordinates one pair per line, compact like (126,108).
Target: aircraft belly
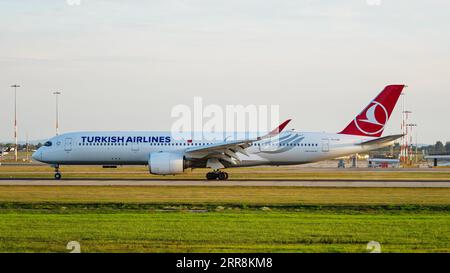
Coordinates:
(107,156)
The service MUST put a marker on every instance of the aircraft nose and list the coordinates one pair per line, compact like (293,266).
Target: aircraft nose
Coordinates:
(37,155)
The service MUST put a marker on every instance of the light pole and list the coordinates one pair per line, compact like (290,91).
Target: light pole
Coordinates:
(26,148)
(57,116)
(15,118)
(411,125)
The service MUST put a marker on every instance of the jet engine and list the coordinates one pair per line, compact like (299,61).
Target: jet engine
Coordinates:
(166,163)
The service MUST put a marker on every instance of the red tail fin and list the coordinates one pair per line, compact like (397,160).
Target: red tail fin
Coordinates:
(372,120)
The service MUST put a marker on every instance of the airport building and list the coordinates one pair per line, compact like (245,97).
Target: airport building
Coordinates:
(438,160)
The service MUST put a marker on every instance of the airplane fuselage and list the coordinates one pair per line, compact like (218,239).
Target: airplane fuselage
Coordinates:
(134,148)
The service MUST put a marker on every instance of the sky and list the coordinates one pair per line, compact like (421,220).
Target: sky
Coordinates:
(123,65)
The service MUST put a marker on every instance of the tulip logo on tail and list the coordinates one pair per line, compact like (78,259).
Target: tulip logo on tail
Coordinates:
(373,119)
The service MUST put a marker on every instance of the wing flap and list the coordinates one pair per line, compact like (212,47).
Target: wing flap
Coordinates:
(219,146)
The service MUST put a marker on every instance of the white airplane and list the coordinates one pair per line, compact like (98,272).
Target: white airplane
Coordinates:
(166,156)
(5,151)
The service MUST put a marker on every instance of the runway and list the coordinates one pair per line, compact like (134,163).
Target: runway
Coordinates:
(242,183)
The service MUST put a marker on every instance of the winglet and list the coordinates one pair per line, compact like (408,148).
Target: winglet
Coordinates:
(277,130)
(280,128)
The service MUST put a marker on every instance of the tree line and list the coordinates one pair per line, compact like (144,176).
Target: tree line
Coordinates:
(439,147)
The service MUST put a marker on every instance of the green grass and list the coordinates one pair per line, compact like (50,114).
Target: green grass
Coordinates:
(235,231)
(223,219)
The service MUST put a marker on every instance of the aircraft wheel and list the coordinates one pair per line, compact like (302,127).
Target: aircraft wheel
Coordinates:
(222,176)
(211,176)
(57,176)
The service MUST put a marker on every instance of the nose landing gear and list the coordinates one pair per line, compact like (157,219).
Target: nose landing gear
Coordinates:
(57,173)
(216,174)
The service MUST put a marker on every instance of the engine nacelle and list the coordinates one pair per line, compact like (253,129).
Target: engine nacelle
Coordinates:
(166,163)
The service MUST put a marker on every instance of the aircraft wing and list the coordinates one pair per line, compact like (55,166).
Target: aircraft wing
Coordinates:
(381,140)
(226,151)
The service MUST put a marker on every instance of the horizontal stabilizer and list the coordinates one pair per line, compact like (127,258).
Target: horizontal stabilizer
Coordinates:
(382,140)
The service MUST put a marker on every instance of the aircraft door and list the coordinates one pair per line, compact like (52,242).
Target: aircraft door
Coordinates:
(135,146)
(325,145)
(68,144)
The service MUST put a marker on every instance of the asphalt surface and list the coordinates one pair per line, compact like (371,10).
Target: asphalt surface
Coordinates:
(262,183)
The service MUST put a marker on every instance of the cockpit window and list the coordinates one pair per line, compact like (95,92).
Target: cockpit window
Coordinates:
(48,144)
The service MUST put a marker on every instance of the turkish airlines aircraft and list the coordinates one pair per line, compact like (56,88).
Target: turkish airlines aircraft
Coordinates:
(165,156)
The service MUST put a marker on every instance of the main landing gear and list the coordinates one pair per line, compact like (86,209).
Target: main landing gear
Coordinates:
(217,175)
(57,173)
